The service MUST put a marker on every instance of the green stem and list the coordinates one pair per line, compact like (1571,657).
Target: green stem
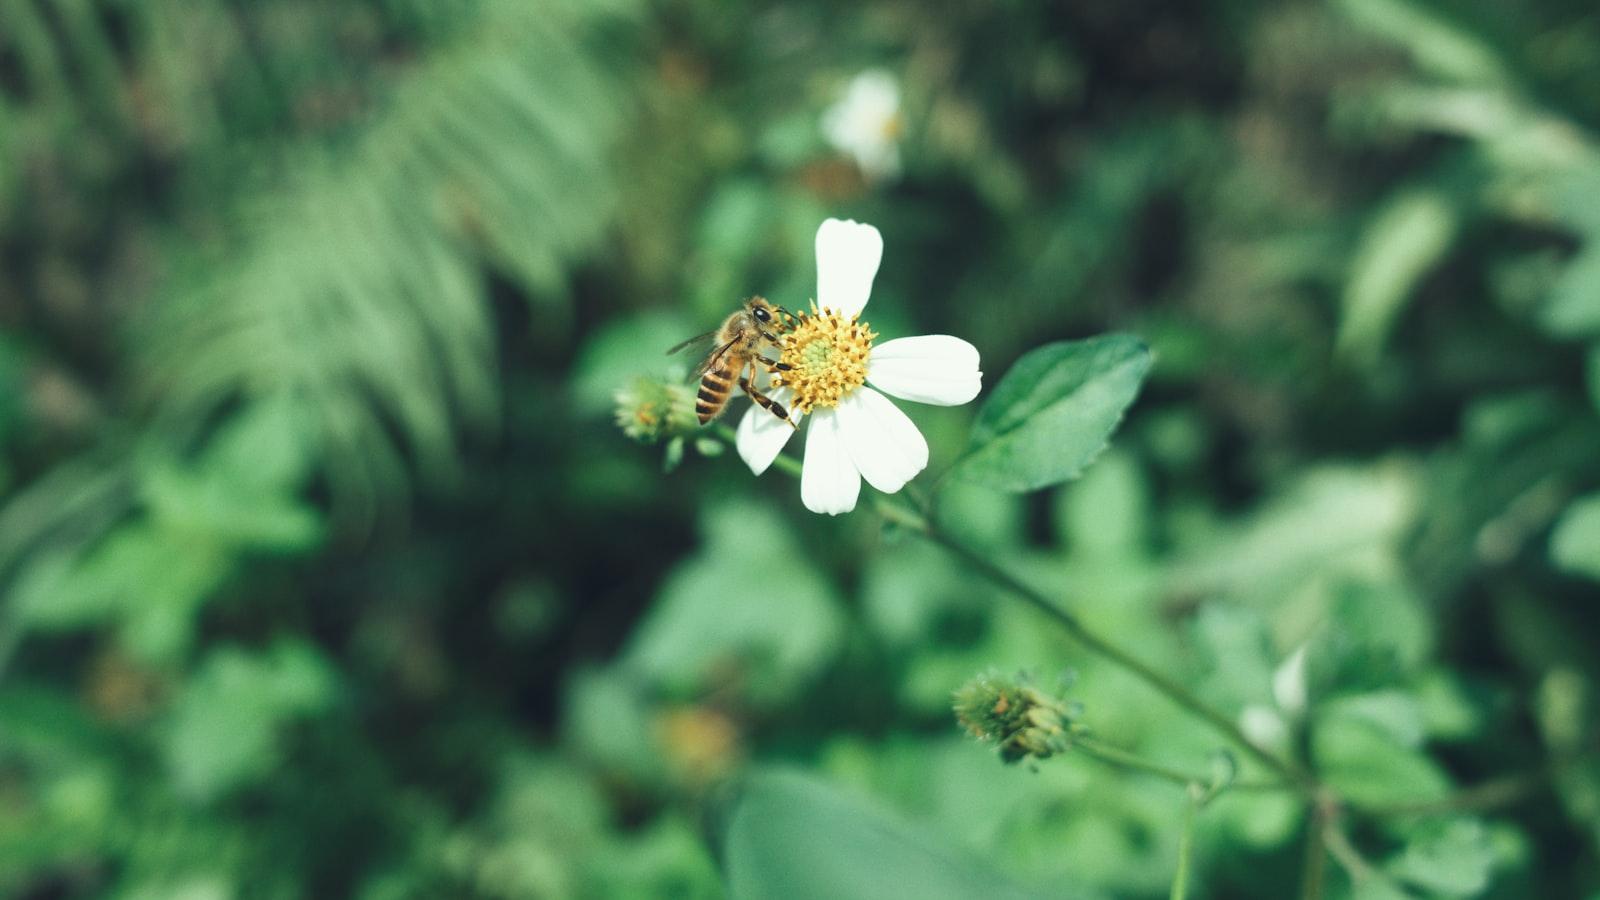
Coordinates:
(1123,759)
(1180,878)
(1314,872)
(1161,682)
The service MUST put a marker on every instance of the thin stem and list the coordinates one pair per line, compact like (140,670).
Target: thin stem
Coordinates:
(1329,813)
(1180,878)
(1123,759)
(1345,853)
(1314,874)
(1160,681)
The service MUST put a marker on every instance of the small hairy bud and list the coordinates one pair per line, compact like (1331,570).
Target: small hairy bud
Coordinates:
(649,410)
(1010,711)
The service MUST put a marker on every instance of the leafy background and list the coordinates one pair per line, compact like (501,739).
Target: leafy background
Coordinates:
(325,572)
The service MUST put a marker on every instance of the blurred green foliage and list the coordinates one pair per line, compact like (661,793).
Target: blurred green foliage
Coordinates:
(325,571)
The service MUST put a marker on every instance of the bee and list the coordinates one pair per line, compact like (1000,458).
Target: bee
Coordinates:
(735,346)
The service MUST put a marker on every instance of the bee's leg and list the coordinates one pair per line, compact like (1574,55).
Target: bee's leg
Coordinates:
(765,402)
(773,366)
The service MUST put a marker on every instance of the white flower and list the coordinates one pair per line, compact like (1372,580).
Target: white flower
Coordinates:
(865,123)
(855,431)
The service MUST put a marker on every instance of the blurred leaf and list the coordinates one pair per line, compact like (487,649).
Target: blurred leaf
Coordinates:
(224,730)
(667,859)
(1497,493)
(1400,245)
(358,289)
(1446,856)
(1450,710)
(1054,412)
(1573,307)
(1395,713)
(750,608)
(221,507)
(1438,45)
(1364,762)
(1238,657)
(1106,514)
(149,580)
(1592,370)
(630,347)
(1575,543)
(607,719)
(789,836)
(1327,520)
(1375,634)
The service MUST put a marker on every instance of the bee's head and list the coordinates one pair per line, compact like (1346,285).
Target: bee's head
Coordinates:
(760,309)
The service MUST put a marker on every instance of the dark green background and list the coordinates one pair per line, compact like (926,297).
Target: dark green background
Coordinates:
(325,571)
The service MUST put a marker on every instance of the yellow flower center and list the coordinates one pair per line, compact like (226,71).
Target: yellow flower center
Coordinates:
(827,357)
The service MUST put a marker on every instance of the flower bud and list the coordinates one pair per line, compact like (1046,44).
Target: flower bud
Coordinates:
(649,410)
(1023,720)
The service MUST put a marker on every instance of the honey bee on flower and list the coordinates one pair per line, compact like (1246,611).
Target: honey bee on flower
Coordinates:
(831,370)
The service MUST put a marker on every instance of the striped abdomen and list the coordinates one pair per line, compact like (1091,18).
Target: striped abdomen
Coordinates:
(715,388)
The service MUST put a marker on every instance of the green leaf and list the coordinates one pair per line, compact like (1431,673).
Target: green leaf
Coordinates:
(1575,543)
(1376,633)
(1573,307)
(224,728)
(1438,43)
(150,581)
(1054,412)
(777,627)
(1237,648)
(1399,247)
(608,721)
(1364,762)
(1451,857)
(789,836)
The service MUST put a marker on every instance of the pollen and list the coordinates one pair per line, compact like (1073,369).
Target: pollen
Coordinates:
(827,357)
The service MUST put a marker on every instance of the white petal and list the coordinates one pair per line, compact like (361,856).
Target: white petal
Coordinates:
(886,447)
(933,368)
(829,482)
(762,435)
(848,254)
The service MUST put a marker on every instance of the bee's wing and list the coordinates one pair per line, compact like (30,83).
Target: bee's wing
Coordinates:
(697,339)
(711,359)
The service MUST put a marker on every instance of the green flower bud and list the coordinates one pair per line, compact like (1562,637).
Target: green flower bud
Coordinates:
(649,410)
(1023,720)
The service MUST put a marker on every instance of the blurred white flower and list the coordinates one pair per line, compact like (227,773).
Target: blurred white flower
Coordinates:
(855,431)
(865,123)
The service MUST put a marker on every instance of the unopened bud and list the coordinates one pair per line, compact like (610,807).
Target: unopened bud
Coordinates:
(649,410)
(1010,711)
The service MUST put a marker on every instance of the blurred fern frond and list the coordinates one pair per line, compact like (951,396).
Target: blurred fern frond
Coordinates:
(355,284)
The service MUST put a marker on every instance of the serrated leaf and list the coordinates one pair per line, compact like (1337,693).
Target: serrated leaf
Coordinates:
(1054,412)
(1575,543)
